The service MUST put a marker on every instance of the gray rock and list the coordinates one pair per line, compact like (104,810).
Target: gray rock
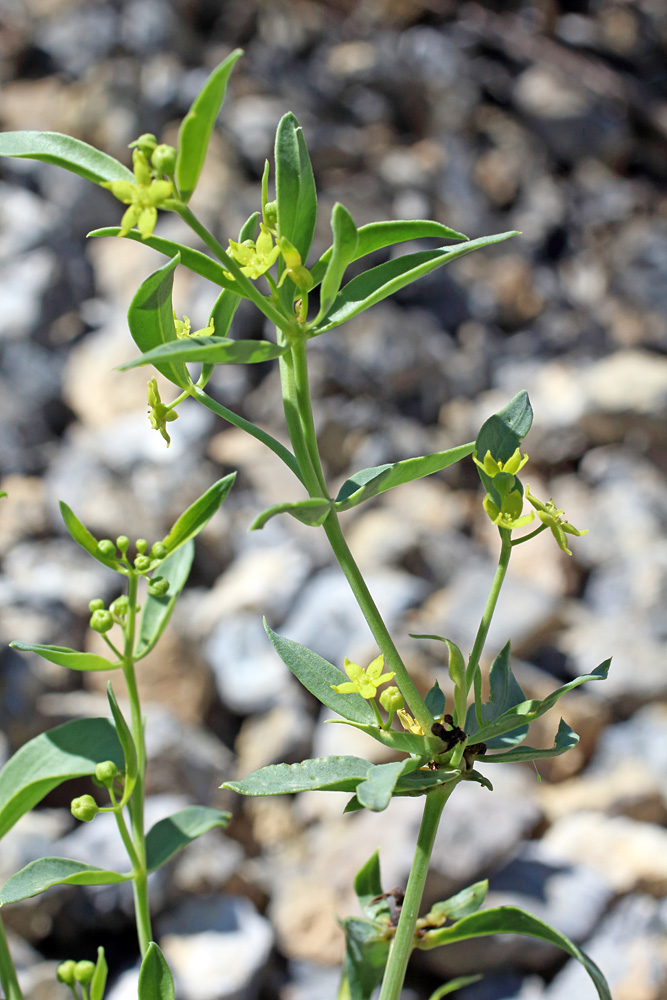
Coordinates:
(25,279)
(309,981)
(249,674)
(57,570)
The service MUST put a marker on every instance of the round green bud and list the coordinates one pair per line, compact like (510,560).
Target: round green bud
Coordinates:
(101,621)
(106,772)
(146,142)
(84,808)
(142,563)
(158,586)
(65,972)
(391,699)
(123,542)
(141,545)
(159,550)
(301,277)
(96,605)
(106,547)
(84,972)
(271,214)
(163,159)
(118,608)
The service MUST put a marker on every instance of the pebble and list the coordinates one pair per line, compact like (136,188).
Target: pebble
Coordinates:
(249,675)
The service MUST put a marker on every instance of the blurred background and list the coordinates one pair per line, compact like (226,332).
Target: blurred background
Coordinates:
(547,117)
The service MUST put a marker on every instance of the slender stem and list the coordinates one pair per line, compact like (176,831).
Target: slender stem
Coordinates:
(403,943)
(293,418)
(532,534)
(472,671)
(8,978)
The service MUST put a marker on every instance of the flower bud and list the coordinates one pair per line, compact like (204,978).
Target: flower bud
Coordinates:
(123,542)
(301,277)
(118,608)
(65,972)
(84,972)
(142,171)
(391,699)
(158,586)
(106,548)
(159,550)
(106,772)
(101,621)
(271,214)
(84,808)
(142,563)
(146,143)
(141,545)
(96,605)
(163,158)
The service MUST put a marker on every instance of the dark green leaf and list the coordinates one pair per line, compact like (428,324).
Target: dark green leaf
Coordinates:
(366,953)
(156,611)
(453,985)
(465,902)
(210,350)
(504,695)
(40,765)
(367,881)
(64,151)
(378,283)
(422,781)
(435,700)
(295,186)
(331,774)
(502,434)
(370,482)
(83,537)
(195,131)
(513,920)
(151,320)
(126,741)
(343,252)
(376,790)
(317,675)
(566,738)
(46,872)
(155,979)
(65,657)
(99,980)
(395,739)
(172,834)
(312,512)
(457,674)
(198,514)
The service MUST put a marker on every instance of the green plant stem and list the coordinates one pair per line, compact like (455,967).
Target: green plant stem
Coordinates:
(403,943)
(473,675)
(526,538)
(8,978)
(136,803)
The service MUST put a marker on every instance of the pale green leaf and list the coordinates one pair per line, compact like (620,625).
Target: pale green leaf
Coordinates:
(65,657)
(156,610)
(64,151)
(44,873)
(155,979)
(151,320)
(312,512)
(198,514)
(177,831)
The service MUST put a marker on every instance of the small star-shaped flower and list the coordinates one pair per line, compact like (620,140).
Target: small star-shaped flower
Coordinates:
(363,682)
(550,515)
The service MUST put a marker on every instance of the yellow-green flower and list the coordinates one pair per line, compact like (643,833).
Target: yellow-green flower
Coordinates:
(255,257)
(492,466)
(550,515)
(509,515)
(144,197)
(409,724)
(183,328)
(159,414)
(363,682)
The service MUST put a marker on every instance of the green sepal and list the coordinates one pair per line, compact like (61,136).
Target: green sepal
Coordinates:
(65,657)
(505,693)
(44,873)
(317,675)
(126,741)
(395,739)
(71,750)
(99,980)
(435,700)
(512,920)
(156,611)
(208,350)
(151,320)
(197,126)
(502,434)
(378,283)
(311,512)
(155,979)
(461,905)
(65,151)
(198,514)
(177,831)
(368,483)
(366,954)
(84,538)
(566,738)
(345,241)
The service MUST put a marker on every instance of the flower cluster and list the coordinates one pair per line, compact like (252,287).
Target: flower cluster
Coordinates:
(150,190)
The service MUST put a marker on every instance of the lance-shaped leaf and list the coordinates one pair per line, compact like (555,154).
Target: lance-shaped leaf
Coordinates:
(331,774)
(369,483)
(513,920)
(377,235)
(40,765)
(378,283)
(366,953)
(376,790)
(126,741)
(84,538)
(502,434)
(505,694)
(457,674)
(312,512)
(195,131)
(465,902)
(343,251)
(151,320)
(317,675)
(99,980)
(176,832)
(395,739)
(64,151)
(44,873)
(65,657)
(566,738)
(296,196)
(157,610)
(209,350)
(435,700)
(422,781)
(198,514)
(155,979)
(367,881)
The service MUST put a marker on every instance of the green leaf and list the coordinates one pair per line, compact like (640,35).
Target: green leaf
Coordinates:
(151,320)
(345,241)
(465,902)
(435,700)
(84,538)
(64,151)
(367,881)
(210,350)
(505,694)
(317,675)
(296,196)
(156,611)
(126,741)
(370,482)
(395,739)
(198,514)
(312,512)
(176,832)
(99,980)
(195,131)
(422,781)
(40,765)
(376,790)
(566,738)
(457,674)
(378,283)
(378,235)
(454,984)
(194,260)
(513,920)
(331,774)
(44,873)
(366,953)
(502,434)
(65,657)
(155,979)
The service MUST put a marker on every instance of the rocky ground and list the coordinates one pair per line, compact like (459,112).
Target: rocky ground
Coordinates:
(549,118)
